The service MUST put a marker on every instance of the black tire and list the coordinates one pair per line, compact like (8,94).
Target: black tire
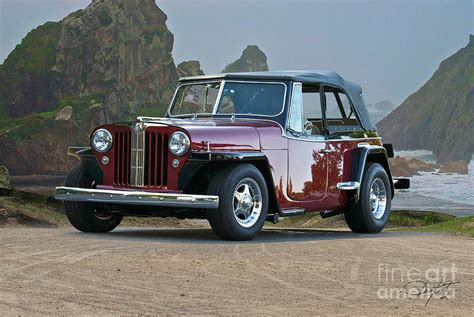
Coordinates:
(82,215)
(359,216)
(223,184)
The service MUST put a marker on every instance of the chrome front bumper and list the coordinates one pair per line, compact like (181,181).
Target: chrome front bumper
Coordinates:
(136,198)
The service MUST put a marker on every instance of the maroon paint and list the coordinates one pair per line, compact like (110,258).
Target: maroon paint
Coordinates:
(304,175)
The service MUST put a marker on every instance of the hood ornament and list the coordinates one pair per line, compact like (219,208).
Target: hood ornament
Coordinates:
(138,127)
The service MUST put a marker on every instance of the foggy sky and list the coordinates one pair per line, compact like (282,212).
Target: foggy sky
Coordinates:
(390,48)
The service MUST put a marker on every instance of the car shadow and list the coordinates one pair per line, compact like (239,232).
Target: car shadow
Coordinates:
(203,236)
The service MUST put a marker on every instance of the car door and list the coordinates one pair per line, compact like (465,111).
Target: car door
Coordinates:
(342,125)
(307,152)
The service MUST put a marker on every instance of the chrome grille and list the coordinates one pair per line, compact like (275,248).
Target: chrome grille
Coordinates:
(122,140)
(137,165)
(141,157)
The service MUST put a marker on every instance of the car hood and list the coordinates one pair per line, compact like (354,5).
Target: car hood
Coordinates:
(222,134)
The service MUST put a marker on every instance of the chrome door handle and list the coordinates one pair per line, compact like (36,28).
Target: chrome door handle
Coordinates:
(325,151)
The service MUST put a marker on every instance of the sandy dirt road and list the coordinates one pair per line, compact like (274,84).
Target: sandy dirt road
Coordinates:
(189,271)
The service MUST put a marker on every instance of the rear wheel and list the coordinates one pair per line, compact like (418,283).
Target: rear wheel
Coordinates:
(243,202)
(370,214)
(87,217)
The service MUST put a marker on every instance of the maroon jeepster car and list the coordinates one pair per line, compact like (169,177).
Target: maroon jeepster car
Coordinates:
(239,149)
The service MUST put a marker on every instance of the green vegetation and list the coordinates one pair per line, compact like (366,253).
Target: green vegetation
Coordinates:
(20,128)
(32,59)
(76,14)
(30,209)
(400,220)
(36,54)
(459,226)
(80,104)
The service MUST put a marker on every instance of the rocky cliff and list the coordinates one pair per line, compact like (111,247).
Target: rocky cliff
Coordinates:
(252,60)
(107,62)
(440,115)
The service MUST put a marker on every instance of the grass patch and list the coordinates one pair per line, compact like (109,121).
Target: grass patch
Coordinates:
(29,209)
(400,220)
(459,226)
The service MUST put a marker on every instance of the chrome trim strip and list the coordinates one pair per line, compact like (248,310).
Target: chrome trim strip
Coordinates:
(218,98)
(136,198)
(348,186)
(137,164)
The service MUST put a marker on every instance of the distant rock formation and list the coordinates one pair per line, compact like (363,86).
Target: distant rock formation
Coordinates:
(440,115)
(252,60)
(380,110)
(457,167)
(189,68)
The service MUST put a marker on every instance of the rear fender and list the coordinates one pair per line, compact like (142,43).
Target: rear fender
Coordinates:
(369,154)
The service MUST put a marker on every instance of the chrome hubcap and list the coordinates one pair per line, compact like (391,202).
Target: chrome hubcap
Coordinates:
(378,198)
(247,202)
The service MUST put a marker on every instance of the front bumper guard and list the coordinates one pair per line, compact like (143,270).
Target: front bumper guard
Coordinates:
(136,198)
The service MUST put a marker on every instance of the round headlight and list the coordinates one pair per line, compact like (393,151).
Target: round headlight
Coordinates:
(179,143)
(102,140)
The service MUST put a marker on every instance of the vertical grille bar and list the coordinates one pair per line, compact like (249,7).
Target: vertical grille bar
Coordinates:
(144,157)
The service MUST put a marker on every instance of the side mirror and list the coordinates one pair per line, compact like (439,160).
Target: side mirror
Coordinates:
(308,127)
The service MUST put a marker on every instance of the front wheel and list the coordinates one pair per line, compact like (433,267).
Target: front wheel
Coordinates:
(85,216)
(370,214)
(243,202)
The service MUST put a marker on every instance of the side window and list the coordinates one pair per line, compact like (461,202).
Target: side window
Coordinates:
(296,114)
(340,116)
(306,115)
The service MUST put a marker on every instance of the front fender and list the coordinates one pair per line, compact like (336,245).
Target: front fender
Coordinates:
(87,157)
(200,167)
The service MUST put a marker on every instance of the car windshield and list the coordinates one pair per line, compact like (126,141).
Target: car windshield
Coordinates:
(236,98)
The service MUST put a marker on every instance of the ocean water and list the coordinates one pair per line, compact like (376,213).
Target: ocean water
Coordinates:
(449,193)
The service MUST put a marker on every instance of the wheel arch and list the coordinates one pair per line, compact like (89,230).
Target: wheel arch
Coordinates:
(87,157)
(195,175)
(372,154)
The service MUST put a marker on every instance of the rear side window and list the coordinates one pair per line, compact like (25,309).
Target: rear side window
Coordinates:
(340,115)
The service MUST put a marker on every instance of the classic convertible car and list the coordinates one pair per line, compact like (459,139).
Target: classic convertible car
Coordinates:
(239,149)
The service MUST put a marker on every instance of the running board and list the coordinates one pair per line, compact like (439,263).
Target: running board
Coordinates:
(291,212)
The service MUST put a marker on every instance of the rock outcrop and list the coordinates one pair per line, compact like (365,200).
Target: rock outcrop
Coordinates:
(454,167)
(120,49)
(440,115)
(189,68)
(252,60)
(5,186)
(108,62)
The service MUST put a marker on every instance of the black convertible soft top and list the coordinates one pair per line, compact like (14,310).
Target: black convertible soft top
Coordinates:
(304,76)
